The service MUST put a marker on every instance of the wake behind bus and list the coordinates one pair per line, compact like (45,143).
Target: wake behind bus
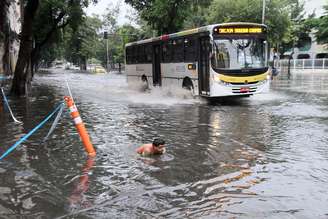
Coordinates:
(228,59)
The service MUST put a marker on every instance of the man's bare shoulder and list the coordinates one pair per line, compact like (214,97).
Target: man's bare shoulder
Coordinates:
(143,147)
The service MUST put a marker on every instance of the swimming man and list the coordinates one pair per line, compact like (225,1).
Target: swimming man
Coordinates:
(157,147)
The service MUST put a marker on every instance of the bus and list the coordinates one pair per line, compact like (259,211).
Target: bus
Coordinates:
(228,59)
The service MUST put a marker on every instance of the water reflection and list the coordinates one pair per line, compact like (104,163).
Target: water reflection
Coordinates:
(77,199)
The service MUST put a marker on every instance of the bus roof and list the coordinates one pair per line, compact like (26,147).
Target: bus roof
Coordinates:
(189,32)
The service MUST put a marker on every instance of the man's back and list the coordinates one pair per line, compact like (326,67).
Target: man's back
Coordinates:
(146,149)
(150,149)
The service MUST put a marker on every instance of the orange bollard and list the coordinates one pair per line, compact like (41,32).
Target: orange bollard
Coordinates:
(80,126)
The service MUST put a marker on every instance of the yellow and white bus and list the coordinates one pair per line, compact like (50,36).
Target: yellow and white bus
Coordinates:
(228,59)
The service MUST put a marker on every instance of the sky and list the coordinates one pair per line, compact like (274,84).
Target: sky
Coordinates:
(316,5)
(100,8)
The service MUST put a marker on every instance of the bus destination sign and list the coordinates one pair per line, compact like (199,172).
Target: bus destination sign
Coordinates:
(239,30)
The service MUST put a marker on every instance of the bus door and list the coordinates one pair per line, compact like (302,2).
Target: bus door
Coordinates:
(157,65)
(204,66)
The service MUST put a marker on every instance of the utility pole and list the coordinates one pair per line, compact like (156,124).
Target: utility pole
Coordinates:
(107,58)
(263,11)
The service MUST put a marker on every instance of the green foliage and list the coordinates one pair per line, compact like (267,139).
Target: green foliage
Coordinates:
(196,17)
(84,42)
(299,28)
(126,33)
(164,16)
(81,37)
(87,43)
(284,18)
(52,17)
(278,20)
(276,16)
(222,11)
(321,26)
(110,18)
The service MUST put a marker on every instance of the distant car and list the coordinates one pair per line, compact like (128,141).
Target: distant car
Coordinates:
(99,69)
(74,67)
(59,66)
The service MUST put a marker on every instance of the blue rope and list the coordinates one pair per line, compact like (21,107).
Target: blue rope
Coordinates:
(31,132)
(53,126)
(8,106)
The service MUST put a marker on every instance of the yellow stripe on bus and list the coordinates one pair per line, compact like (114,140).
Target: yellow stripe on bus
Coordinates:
(247,79)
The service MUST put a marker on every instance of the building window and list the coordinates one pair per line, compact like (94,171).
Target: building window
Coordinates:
(322,56)
(303,56)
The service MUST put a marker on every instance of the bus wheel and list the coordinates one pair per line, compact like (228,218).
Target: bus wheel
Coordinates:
(144,78)
(188,85)
(144,81)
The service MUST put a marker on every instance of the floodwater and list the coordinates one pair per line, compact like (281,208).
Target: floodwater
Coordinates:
(260,157)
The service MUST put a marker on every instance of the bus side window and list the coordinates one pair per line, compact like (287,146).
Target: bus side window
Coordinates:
(190,50)
(133,55)
(178,49)
(128,55)
(141,54)
(149,54)
(166,52)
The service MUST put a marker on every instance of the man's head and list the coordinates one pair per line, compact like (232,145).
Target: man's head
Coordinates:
(158,142)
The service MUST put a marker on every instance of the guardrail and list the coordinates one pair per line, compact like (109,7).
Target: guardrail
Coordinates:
(299,64)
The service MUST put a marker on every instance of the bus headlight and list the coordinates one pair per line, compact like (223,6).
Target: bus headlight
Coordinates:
(219,81)
(216,78)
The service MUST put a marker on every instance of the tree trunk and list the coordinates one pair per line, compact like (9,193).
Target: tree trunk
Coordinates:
(83,63)
(22,75)
(4,38)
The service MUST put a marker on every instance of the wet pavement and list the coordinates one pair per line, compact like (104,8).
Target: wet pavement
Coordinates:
(260,157)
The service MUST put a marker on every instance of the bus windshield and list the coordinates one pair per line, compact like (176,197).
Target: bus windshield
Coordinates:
(238,54)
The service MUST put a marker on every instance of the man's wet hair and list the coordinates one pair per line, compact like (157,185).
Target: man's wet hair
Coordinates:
(157,142)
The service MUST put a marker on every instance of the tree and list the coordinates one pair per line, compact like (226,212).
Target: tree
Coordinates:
(277,15)
(110,18)
(23,67)
(321,25)
(53,15)
(85,42)
(125,34)
(110,25)
(5,40)
(196,17)
(299,29)
(164,16)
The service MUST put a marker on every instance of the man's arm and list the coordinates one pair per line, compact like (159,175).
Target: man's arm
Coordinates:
(140,150)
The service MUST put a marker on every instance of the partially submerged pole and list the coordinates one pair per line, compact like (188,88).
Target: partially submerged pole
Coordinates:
(80,126)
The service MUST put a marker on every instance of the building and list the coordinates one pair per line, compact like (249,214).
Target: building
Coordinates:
(311,50)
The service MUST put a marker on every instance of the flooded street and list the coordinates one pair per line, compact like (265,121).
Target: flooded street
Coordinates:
(260,157)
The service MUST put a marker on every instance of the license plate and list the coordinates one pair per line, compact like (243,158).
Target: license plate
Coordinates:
(244,89)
